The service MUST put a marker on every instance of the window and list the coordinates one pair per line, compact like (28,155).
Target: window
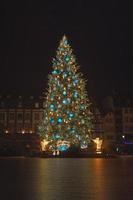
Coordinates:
(2,116)
(19,128)
(2,104)
(27,116)
(36,105)
(20,116)
(27,127)
(11,116)
(20,104)
(36,116)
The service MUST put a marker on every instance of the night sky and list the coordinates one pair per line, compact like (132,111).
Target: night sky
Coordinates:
(100,33)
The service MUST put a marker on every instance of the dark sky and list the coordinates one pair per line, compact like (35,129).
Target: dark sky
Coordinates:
(100,32)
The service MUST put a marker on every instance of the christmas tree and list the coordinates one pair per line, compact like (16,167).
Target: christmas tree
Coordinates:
(67,116)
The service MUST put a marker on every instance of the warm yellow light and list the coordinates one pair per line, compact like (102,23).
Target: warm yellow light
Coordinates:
(98,143)
(6,131)
(44,144)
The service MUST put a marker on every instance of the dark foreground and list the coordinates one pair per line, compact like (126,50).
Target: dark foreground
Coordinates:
(66,179)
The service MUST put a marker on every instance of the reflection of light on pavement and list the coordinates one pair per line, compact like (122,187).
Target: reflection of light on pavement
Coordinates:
(98,143)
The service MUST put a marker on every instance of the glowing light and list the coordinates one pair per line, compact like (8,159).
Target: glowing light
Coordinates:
(57,136)
(44,143)
(6,131)
(68,100)
(82,121)
(64,101)
(64,92)
(52,107)
(63,145)
(60,120)
(52,120)
(83,144)
(67,58)
(64,75)
(75,81)
(71,115)
(75,94)
(55,72)
(98,143)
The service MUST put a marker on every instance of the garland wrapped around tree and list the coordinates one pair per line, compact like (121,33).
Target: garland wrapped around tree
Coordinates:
(67,116)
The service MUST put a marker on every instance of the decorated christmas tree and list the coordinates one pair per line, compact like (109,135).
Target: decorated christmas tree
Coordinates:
(67,116)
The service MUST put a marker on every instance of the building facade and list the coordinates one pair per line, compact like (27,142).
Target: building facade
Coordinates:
(19,115)
(22,115)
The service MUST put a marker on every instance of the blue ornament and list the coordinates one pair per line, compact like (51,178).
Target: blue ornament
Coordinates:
(67,58)
(75,81)
(72,130)
(71,115)
(82,107)
(65,42)
(68,100)
(60,120)
(63,147)
(56,136)
(64,74)
(75,94)
(64,101)
(52,120)
(52,107)
(64,92)
(55,72)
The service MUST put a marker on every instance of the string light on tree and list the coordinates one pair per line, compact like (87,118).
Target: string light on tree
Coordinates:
(67,115)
